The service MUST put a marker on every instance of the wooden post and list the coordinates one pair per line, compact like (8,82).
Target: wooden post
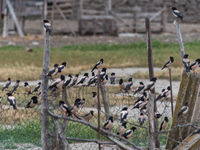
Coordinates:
(163,19)
(45,11)
(105,101)
(180,39)
(5,23)
(99,108)
(108,6)
(44,94)
(171,92)
(52,12)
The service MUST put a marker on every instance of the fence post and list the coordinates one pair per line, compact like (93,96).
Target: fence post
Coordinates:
(99,108)
(105,101)
(44,94)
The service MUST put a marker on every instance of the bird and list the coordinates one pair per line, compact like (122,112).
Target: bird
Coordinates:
(186,63)
(15,87)
(102,73)
(83,79)
(88,116)
(142,98)
(166,92)
(112,78)
(77,105)
(196,132)
(140,105)
(36,88)
(128,85)
(183,110)
(94,98)
(140,88)
(11,99)
(64,108)
(177,13)
(92,80)
(62,67)
(67,82)
(108,124)
(151,85)
(33,101)
(164,124)
(121,85)
(195,65)
(161,95)
(53,72)
(7,84)
(141,118)
(57,84)
(47,26)
(98,65)
(123,114)
(122,129)
(129,132)
(168,63)
(157,115)
(27,88)
(105,80)
(74,80)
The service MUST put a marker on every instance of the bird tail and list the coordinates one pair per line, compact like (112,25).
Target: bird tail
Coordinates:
(14,107)
(3,89)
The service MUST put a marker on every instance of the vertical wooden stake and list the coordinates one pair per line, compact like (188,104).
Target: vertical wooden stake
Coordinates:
(44,94)
(5,23)
(99,108)
(170,80)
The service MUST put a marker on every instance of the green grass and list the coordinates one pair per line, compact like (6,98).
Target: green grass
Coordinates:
(17,63)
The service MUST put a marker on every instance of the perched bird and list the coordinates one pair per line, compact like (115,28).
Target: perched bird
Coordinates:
(167,92)
(186,63)
(27,88)
(15,87)
(151,85)
(94,98)
(161,95)
(112,78)
(62,67)
(74,80)
(58,83)
(141,119)
(108,124)
(168,63)
(105,80)
(143,106)
(183,110)
(7,84)
(36,88)
(177,13)
(140,105)
(64,108)
(195,65)
(47,26)
(129,132)
(83,79)
(53,72)
(139,89)
(123,114)
(67,82)
(196,132)
(98,65)
(92,80)
(78,103)
(141,98)
(129,85)
(88,116)
(11,99)
(32,102)
(164,124)
(102,73)
(122,129)
(158,115)
(121,85)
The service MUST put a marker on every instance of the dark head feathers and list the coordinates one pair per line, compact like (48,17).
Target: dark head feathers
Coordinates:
(171,59)
(169,88)
(25,83)
(141,83)
(101,60)
(166,119)
(153,79)
(106,77)
(70,75)
(9,78)
(9,94)
(163,90)
(112,74)
(174,8)
(185,56)
(121,81)
(55,65)
(39,83)
(145,94)
(46,21)
(110,118)
(141,113)
(35,99)
(64,63)
(61,103)
(130,79)
(104,69)
(124,124)
(92,112)
(186,103)
(133,128)
(93,74)
(94,94)
(18,81)
(86,74)
(76,75)
(198,60)
(62,77)
(125,108)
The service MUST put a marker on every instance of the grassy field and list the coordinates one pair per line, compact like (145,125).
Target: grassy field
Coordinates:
(18,64)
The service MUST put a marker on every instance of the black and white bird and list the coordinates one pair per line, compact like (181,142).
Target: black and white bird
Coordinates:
(68,81)
(47,26)
(139,89)
(27,88)
(108,124)
(98,65)
(83,79)
(167,92)
(186,63)
(57,84)
(53,72)
(141,118)
(74,80)
(62,67)
(7,84)
(36,89)
(196,132)
(140,105)
(157,115)
(15,87)
(12,101)
(33,101)
(102,73)
(122,129)
(151,85)
(141,98)
(183,110)
(168,63)
(92,80)
(177,13)
(105,80)
(112,78)
(128,85)
(88,116)
(164,124)
(161,95)
(64,108)
(123,114)
(129,132)
(195,65)
(121,85)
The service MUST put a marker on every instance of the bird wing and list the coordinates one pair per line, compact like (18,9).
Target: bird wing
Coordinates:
(95,66)
(161,125)
(60,68)
(106,123)
(184,108)
(165,65)
(127,133)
